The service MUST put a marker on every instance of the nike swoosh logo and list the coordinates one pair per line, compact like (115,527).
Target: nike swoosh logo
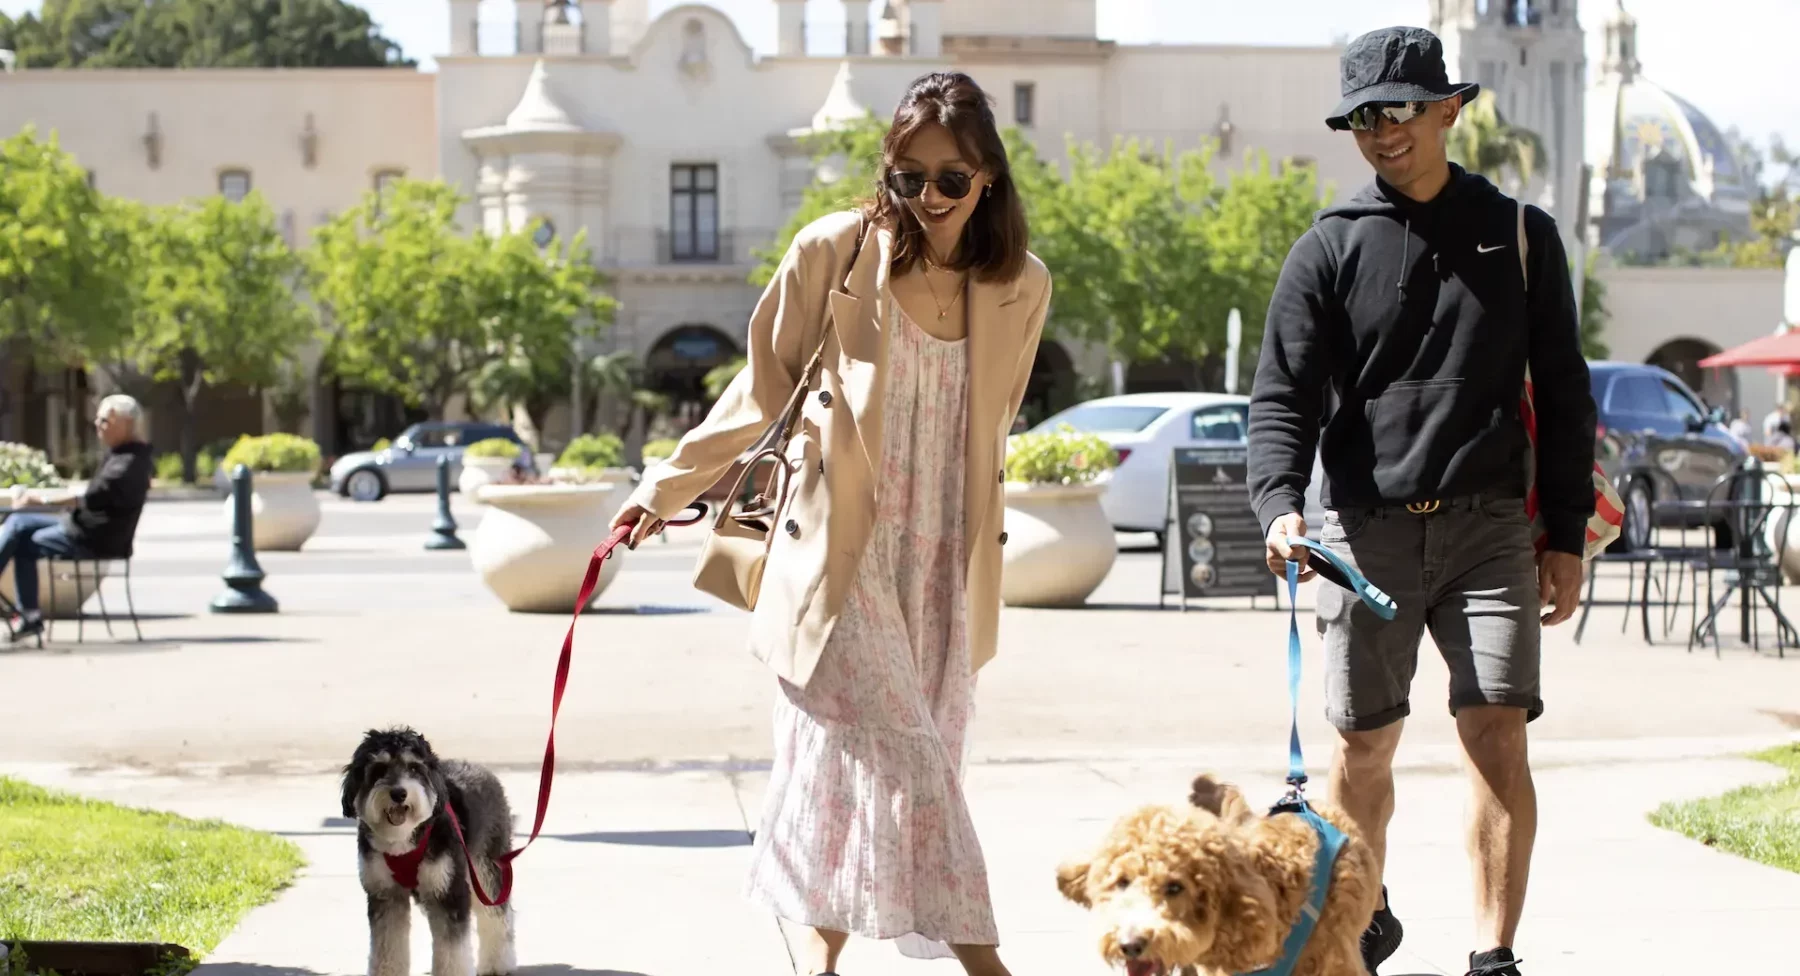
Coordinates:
(1483,250)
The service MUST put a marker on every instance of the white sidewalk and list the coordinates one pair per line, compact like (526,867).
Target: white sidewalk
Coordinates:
(640,873)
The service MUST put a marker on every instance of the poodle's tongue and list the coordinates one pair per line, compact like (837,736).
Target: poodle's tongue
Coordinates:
(396,816)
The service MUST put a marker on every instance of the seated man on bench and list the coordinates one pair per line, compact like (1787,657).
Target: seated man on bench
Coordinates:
(99,525)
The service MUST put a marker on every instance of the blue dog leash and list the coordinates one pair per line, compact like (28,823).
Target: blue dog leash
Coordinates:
(1331,839)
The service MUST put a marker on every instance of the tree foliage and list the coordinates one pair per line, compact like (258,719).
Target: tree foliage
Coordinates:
(64,259)
(1773,176)
(1150,250)
(421,309)
(199,34)
(1484,142)
(846,160)
(216,287)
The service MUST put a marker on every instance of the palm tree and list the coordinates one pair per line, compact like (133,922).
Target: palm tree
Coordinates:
(1484,142)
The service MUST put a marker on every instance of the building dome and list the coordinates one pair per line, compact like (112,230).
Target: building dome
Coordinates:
(1664,178)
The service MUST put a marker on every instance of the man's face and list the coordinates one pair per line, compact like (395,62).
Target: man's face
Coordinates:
(113,429)
(1402,152)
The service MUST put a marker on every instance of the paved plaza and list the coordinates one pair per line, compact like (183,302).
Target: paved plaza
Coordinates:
(664,750)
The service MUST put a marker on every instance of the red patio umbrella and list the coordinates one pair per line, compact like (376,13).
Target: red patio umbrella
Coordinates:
(1776,350)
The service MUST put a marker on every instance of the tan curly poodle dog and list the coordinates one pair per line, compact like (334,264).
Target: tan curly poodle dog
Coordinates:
(1215,887)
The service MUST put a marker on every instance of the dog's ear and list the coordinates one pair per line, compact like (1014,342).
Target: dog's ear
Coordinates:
(1248,930)
(1222,800)
(351,777)
(1072,879)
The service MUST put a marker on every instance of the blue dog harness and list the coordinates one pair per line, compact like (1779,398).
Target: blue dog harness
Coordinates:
(1331,839)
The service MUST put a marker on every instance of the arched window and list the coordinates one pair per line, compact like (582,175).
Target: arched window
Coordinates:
(234,184)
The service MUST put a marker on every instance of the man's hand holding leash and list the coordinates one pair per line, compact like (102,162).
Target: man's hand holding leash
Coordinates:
(1279,551)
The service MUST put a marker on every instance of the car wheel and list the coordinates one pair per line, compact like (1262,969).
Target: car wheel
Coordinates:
(365,485)
(1636,531)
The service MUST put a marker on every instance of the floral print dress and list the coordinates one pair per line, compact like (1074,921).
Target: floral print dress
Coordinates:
(865,828)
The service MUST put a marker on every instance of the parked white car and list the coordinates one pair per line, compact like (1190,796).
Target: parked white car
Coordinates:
(1145,429)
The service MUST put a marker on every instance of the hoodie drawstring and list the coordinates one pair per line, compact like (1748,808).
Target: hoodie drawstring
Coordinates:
(1405,254)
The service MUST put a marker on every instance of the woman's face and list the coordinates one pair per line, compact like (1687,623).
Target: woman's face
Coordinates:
(932,158)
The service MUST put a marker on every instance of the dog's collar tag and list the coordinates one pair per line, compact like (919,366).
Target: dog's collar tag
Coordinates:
(405,867)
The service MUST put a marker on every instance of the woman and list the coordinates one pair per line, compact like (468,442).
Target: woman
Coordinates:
(881,593)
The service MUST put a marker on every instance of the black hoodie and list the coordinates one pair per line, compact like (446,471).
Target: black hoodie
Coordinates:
(1415,317)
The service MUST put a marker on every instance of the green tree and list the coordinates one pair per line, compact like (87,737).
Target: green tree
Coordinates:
(217,303)
(847,159)
(1484,142)
(1594,315)
(417,307)
(199,34)
(536,306)
(64,259)
(1773,176)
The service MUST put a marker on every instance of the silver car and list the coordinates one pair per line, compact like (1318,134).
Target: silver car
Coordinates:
(410,463)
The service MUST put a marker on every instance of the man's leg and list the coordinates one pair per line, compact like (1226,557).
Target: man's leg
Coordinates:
(1488,631)
(1369,667)
(1502,818)
(16,535)
(1362,782)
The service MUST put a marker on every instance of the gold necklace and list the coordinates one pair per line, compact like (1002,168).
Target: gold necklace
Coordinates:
(943,309)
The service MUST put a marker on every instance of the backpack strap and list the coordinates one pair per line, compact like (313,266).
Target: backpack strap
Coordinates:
(1524,248)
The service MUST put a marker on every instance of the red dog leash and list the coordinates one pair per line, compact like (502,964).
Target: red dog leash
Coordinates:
(548,772)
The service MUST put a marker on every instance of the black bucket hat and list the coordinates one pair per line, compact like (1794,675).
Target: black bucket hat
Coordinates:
(1394,64)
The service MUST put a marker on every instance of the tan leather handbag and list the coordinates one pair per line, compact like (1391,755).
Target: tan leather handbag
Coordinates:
(737,549)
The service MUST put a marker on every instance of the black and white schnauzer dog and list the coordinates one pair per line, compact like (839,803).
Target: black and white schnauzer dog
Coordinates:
(401,795)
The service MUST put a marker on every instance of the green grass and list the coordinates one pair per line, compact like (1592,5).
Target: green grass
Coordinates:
(79,869)
(1761,823)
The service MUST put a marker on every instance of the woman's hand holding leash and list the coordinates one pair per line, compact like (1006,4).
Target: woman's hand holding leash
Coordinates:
(643,524)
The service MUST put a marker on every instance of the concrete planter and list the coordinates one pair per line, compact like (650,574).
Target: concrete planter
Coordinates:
(283,507)
(1059,545)
(64,601)
(532,546)
(1780,525)
(478,471)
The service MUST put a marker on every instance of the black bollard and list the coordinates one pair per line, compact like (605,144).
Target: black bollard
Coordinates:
(443,530)
(243,577)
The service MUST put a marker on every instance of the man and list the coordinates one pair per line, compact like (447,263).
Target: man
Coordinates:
(99,525)
(1408,305)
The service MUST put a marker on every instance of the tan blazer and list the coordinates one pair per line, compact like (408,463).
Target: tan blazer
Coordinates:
(837,445)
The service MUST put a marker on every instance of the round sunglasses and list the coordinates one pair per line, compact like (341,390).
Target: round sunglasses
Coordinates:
(1365,118)
(952,184)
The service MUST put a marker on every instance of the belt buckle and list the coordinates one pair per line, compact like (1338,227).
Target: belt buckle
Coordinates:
(1423,508)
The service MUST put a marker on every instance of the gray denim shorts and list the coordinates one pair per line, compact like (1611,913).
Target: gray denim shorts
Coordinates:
(1468,573)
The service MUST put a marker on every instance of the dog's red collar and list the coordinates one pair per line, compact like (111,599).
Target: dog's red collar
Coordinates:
(405,867)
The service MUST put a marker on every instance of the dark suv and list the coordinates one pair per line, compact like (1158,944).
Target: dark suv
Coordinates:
(1657,442)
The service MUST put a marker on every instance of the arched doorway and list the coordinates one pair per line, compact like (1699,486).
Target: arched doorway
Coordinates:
(677,364)
(1052,385)
(1717,387)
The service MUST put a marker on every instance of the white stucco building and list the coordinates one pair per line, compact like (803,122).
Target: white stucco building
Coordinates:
(679,152)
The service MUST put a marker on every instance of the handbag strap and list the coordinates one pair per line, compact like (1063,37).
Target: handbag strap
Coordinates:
(774,439)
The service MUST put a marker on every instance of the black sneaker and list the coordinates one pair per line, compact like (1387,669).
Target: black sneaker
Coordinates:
(27,628)
(1494,962)
(1382,937)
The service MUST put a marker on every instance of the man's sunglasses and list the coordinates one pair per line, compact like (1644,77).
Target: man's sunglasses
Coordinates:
(952,184)
(1365,118)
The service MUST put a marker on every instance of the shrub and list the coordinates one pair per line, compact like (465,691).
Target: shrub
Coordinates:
(274,453)
(22,464)
(381,444)
(660,449)
(591,452)
(168,467)
(1060,457)
(493,447)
